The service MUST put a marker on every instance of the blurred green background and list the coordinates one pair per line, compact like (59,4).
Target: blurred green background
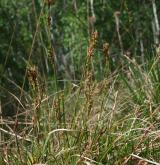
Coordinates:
(26,39)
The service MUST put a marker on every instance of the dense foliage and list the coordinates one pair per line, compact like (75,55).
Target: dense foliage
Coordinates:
(72,23)
(86,72)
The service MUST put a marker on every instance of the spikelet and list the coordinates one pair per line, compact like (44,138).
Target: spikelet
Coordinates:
(92,44)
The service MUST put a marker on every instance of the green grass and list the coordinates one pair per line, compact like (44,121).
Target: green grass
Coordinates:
(114,121)
(105,119)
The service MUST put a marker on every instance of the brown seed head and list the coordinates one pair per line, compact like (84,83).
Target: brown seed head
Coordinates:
(92,44)
(106,49)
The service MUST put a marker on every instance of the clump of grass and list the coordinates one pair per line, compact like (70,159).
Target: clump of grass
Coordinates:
(114,121)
